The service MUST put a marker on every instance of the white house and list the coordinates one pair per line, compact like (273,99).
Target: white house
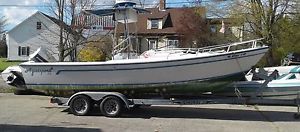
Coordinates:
(39,30)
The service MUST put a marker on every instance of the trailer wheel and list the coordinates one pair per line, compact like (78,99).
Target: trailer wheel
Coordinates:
(111,106)
(80,105)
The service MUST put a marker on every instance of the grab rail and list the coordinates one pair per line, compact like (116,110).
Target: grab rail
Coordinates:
(218,48)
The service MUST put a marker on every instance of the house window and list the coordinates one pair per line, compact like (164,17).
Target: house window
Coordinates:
(154,24)
(24,51)
(38,25)
(152,44)
(172,43)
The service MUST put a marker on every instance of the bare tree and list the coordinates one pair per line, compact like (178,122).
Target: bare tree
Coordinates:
(262,17)
(194,29)
(259,18)
(61,46)
(202,29)
(77,6)
(70,32)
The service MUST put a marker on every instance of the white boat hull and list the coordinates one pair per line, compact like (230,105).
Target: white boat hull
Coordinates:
(136,74)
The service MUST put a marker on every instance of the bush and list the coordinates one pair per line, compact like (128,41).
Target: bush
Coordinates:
(91,54)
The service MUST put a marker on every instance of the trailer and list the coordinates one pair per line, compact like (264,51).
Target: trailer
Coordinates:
(112,104)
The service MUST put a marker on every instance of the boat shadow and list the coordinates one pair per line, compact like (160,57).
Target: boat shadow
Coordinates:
(204,113)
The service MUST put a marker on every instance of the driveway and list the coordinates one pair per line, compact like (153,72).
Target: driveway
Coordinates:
(35,113)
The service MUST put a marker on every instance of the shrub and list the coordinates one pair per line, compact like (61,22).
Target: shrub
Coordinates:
(91,54)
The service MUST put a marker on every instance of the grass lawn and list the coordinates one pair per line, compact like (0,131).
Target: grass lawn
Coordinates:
(4,64)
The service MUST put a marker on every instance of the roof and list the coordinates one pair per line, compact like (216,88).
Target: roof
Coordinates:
(172,21)
(54,20)
(58,22)
(22,22)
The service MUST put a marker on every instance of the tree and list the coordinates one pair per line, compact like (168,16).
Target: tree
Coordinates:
(207,29)
(3,46)
(263,18)
(97,50)
(70,33)
(194,29)
(287,37)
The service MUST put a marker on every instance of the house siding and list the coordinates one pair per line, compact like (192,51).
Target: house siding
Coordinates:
(144,44)
(26,34)
(170,23)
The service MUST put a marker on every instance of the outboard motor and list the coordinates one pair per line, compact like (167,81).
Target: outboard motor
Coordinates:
(13,76)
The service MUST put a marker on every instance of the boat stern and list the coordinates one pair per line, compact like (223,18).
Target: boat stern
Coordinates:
(13,77)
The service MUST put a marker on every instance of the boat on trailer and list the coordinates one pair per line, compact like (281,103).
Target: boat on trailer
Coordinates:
(161,68)
(182,69)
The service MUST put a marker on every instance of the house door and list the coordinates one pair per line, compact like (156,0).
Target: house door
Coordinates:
(152,44)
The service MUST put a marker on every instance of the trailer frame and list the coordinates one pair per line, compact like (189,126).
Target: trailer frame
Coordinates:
(112,104)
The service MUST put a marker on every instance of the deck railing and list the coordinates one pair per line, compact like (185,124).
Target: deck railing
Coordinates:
(219,48)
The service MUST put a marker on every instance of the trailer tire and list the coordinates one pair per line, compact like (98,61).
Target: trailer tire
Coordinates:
(80,105)
(111,106)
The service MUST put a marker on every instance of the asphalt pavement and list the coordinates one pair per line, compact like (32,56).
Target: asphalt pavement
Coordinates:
(20,113)
(36,113)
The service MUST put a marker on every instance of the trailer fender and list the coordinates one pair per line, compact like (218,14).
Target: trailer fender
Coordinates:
(100,96)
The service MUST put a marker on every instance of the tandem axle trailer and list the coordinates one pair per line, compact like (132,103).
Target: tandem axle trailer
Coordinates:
(112,104)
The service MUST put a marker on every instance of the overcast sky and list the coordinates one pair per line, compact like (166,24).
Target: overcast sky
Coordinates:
(25,8)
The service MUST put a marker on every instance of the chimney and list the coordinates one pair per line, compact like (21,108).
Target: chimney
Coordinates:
(162,5)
